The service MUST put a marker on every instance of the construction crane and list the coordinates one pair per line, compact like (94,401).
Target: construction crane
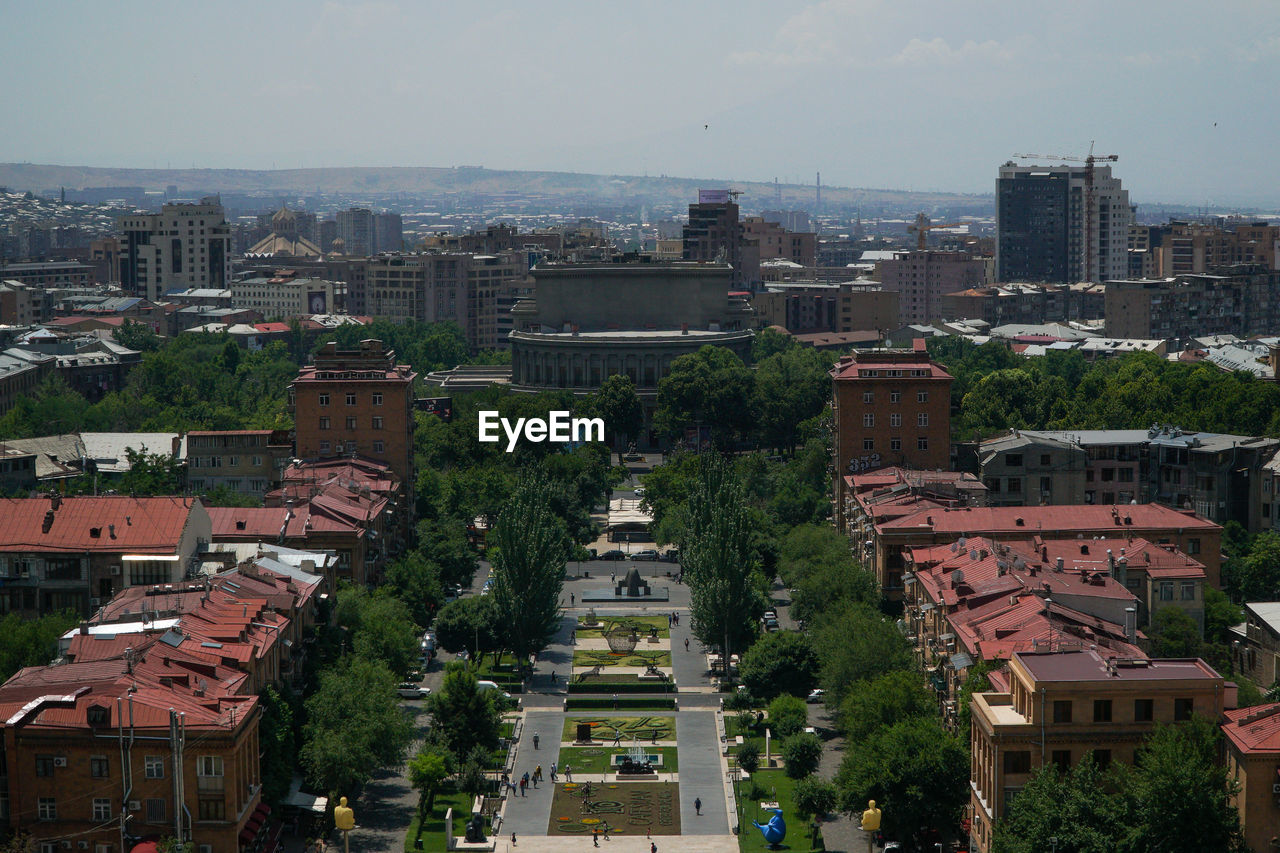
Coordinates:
(923,226)
(1089,160)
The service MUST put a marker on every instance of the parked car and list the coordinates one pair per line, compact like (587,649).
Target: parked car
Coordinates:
(639,491)
(482,686)
(671,555)
(771,624)
(646,554)
(615,554)
(409,690)
(816,696)
(771,614)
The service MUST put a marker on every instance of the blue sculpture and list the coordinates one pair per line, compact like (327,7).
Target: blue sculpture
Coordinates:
(775,830)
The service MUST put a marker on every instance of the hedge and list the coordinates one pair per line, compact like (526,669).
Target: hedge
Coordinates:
(579,703)
(598,687)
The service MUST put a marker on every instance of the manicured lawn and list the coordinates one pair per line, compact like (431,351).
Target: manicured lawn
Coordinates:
(433,827)
(630,809)
(603,657)
(751,734)
(642,624)
(597,759)
(776,787)
(605,727)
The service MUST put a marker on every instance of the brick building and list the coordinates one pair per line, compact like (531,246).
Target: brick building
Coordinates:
(1252,741)
(355,401)
(1054,708)
(923,277)
(892,407)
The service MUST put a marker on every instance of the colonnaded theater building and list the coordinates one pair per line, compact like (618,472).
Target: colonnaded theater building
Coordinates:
(633,315)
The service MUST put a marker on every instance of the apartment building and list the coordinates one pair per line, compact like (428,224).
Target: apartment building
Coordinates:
(1020,469)
(46,274)
(922,278)
(357,401)
(1252,741)
(892,407)
(284,295)
(246,461)
(21,373)
(928,523)
(76,553)
(775,241)
(1023,303)
(807,307)
(1056,708)
(715,233)
(182,246)
(1238,301)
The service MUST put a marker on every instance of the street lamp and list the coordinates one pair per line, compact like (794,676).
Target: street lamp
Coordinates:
(1054,842)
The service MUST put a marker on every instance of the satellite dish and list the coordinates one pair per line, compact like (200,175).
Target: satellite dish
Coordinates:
(1019,564)
(973,555)
(962,541)
(957,577)
(204,684)
(955,546)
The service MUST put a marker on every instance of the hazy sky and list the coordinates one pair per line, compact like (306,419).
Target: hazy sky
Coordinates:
(896,94)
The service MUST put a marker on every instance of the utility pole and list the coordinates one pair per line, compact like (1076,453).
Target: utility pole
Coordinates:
(126,766)
(177,741)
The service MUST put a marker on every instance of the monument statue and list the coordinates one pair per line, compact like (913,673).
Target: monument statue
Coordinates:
(475,830)
(773,831)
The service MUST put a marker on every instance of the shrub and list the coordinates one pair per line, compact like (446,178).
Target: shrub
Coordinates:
(801,752)
(787,716)
(739,700)
(815,796)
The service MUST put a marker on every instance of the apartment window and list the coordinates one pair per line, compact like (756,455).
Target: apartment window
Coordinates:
(101,848)
(1062,711)
(1045,459)
(895,396)
(351,398)
(1108,475)
(1193,546)
(351,422)
(868,444)
(47,808)
(1017,761)
(868,397)
(154,766)
(325,447)
(868,419)
(379,447)
(1046,485)
(155,811)
(922,419)
(1144,710)
(324,423)
(48,847)
(377,423)
(895,420)
(1188,591)
(1014,485)
(1102,757)
(377,399)
(1166,590)
(1102,710)
(233,461)
(1013,460)
(44,765)
(351,447)
(212,810)
(895,444)
(324,399)
(1126,475)
(99,767)
(1183,708)
(922,444)
(209,765)
(1061,759)
(101,809)
(922,396)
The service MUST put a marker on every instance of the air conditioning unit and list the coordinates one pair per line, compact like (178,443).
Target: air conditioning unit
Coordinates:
(66,845)
(59,761)
(1275,789)
(115,569)
(83,845)
(95,602)
(135,805)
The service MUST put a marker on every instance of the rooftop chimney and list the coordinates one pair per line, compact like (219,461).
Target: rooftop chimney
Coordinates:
(1131,625)
(1059,566)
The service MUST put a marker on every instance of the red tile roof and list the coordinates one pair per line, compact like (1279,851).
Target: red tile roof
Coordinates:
(1038,520)
(1254,730)
(271,327)
(142,525)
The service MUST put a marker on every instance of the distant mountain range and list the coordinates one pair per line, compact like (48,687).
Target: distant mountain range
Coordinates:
(479,181)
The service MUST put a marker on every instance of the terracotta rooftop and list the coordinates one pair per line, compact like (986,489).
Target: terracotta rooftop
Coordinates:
(1053,519)
(100,524)
(1255,729)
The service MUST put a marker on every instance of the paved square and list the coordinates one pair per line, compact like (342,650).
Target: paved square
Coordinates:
(629,808)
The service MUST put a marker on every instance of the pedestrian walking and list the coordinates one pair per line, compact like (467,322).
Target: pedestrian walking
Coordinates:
(615,701)
(513,839)
(571,599)
(537,774)
(535,740)
(553,771)
(697,805)
(686,644)
(653,847)
(605,826)
(553,676)
(595,838)
(573,637)
(568,772)
(524,783)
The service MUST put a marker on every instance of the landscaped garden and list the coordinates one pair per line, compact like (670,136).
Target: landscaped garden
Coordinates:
(776,787)
(641,729)
(643,626)
(627,808)
(584,658)
(431,831)
(600,759)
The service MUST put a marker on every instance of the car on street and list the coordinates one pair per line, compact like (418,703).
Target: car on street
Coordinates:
(639,491)
(615,554)
(409,690)
(771,624)
(482,686)
(816,696)
(646,554)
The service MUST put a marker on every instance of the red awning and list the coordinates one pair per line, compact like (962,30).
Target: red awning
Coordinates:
(144,847)
(254,824)
(247,836)
(264,808)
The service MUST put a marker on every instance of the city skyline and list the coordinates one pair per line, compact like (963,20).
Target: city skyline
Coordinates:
(910,96)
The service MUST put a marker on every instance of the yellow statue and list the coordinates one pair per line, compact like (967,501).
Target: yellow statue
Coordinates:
(344,818)
(870,818)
